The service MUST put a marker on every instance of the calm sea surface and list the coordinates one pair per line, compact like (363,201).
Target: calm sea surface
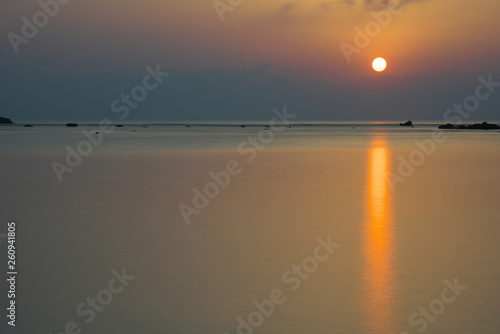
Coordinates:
(321,228)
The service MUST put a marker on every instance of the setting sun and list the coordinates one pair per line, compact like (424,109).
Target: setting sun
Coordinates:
(379,64)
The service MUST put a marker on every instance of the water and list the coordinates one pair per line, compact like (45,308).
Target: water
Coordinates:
(399,241)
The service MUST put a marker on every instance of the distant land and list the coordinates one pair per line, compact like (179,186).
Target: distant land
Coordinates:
(5,121)
(477,126)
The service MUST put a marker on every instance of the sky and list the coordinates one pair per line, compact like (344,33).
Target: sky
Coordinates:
(239,59)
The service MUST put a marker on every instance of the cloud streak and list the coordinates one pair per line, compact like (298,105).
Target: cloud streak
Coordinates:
(362,4)
(288,7)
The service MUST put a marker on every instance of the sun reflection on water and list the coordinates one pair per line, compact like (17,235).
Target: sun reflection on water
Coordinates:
(378,243)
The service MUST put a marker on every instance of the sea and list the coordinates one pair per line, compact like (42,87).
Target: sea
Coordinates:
(249,227)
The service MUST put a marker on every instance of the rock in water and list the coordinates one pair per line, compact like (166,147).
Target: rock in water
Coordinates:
(409,123)
(5,121)
(71,125)
(447,126)
(484,126)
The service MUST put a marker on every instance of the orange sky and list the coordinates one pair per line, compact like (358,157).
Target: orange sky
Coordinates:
(299,40)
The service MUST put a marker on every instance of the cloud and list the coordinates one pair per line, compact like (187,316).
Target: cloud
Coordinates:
(287,7)
(363,4)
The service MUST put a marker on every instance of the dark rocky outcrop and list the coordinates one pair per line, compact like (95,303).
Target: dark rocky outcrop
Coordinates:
(27,125)
(119,126)
(476,126)
(448,126)
(71,125)
(409,123)
(5,121)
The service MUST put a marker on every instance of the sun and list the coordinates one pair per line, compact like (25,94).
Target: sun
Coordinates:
(379,64)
